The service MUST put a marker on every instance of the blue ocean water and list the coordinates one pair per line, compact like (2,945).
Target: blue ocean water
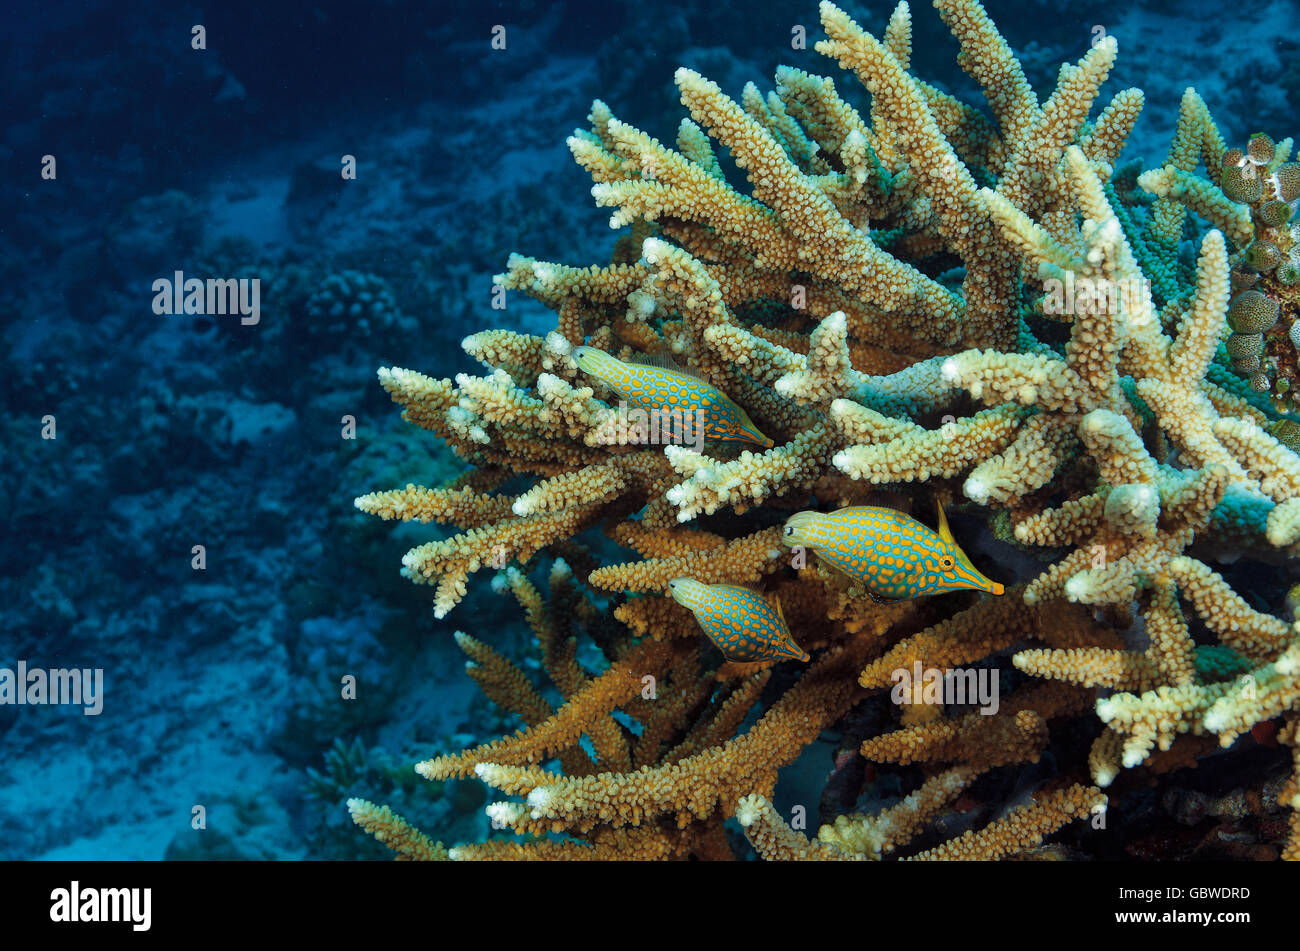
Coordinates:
(178,488)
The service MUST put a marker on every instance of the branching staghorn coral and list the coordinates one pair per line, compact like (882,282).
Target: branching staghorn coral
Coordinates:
(865,837)
(1069,380)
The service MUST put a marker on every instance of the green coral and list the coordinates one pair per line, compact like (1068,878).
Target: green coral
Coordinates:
(1216,663)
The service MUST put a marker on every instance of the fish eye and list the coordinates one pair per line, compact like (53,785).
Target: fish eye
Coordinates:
(945,562)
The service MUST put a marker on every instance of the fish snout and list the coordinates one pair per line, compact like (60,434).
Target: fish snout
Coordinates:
(982,583)
(958,569)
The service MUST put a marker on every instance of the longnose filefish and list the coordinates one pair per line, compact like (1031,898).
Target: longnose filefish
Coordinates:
(669,390)
(743,624)
(897,556)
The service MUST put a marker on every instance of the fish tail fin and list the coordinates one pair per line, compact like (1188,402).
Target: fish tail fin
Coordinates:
(798,529)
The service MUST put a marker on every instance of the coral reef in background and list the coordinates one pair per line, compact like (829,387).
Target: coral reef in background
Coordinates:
(907,293)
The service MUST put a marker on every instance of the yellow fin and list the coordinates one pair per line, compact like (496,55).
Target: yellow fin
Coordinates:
(946,534)
(776,603)
(663,360)
(944,531)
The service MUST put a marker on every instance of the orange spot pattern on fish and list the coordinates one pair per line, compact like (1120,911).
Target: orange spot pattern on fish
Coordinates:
(665,390)
(898,557)
(743,624)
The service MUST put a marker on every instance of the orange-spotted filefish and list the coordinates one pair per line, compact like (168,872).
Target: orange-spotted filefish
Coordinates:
(897,556)
(743,624)
(667,389)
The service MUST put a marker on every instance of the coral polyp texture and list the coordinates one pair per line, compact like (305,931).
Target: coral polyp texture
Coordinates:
(914,302)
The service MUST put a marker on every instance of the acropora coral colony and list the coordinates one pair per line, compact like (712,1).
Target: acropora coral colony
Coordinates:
(913,303)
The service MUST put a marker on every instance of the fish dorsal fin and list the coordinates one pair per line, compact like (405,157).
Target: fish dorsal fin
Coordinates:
(663,360)
(780,612)
(946,534)
(944,531)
